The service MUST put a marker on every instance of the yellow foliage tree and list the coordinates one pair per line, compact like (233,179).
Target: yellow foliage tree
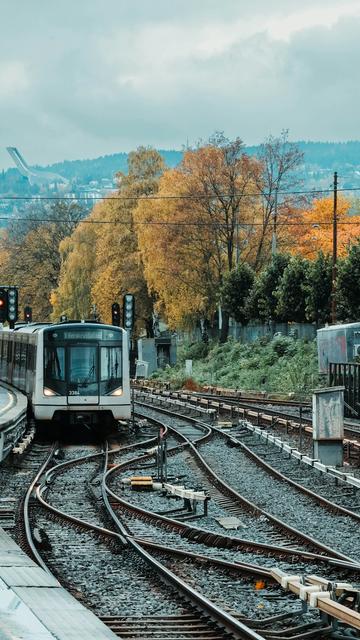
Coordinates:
(199,229)
(77,252)
(119,267)
(101,260)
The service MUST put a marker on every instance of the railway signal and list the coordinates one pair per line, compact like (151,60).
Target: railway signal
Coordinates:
(115,314)
(128,311)
(12,310)
(28,314)
(3,305)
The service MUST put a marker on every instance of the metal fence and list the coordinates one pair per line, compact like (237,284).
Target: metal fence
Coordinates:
(347,375)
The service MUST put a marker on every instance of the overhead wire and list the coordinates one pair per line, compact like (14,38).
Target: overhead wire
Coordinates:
(181,224)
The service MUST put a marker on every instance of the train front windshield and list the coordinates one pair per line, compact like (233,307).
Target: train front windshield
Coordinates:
(82,361)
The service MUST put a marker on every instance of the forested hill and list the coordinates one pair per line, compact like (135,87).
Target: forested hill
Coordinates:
(326,155)
(317,156)
(103,166)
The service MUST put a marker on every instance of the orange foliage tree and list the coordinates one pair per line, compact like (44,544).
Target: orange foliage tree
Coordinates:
(312,230)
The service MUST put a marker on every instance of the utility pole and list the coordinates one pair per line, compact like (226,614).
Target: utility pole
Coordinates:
(274,239)
(334,265)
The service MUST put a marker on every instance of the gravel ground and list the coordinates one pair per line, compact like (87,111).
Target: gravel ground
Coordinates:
(105,579)
(282,500)
(170,539)
(15,475)
(181,470)
(309,477)
(232,591)
(277,497)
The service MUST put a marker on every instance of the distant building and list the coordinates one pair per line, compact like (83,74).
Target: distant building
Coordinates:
(41,178)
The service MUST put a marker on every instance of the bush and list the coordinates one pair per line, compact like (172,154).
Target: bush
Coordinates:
(193,351)
(283,345)
(283,365)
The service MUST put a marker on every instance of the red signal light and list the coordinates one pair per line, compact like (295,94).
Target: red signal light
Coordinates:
(1,302)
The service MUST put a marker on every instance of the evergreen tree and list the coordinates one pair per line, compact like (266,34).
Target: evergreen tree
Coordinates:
(291,292)
(235,291)
(318,289)
(262,302)
(348,286)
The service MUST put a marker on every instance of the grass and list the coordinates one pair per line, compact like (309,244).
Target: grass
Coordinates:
(281,365)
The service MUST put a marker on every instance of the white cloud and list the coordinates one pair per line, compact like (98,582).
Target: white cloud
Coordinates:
(85,81)
(13,79)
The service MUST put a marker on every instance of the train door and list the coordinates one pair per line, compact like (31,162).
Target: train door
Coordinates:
(83,374)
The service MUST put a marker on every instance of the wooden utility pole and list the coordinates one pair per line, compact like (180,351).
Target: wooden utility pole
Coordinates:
(334,265)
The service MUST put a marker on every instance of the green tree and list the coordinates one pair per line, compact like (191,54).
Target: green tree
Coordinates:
(262,302)
(348,286)
(235,291)
(291,292)
(318,289)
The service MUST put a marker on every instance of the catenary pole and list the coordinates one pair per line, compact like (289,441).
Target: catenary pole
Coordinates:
(334,256)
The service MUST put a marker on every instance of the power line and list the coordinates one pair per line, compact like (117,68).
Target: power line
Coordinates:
(181,224)
(199,196)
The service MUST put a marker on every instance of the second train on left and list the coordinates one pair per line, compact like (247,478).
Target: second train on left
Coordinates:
(71,372)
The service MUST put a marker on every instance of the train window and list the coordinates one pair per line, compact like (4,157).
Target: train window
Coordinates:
(110,369)
(54,369)
(83,375)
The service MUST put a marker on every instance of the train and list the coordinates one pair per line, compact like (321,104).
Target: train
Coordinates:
(71,373)
(338,344)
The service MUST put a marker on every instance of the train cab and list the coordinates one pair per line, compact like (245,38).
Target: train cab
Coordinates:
(71,372)
(88,366)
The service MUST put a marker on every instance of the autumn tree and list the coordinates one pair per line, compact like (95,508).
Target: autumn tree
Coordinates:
(314,229)
(118,265)
(32,259)
(280,160)
(72,297)
(199,230)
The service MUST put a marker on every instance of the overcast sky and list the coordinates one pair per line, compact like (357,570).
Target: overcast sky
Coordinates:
(83,78)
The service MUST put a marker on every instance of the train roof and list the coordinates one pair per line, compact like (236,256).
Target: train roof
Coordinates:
(37,327)
(337,327)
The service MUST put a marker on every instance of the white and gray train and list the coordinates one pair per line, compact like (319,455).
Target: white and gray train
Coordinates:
(71,372)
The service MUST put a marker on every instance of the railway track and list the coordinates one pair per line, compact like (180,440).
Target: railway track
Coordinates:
(289,424)
(283,498)
(94,548)
(179,599)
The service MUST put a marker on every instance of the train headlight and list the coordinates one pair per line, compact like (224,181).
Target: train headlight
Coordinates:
(49,392)
(117,392)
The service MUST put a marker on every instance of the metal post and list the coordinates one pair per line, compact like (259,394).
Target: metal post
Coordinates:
(334,265)
(133,407)
(300,427)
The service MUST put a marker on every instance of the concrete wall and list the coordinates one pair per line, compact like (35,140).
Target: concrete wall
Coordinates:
(157,352)
(253,331)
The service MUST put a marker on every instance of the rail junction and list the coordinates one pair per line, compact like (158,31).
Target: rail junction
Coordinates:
(222,533)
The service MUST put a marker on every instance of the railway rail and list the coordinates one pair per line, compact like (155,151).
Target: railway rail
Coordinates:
(74,493)
(282,491)
(279,420)
(211,620)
